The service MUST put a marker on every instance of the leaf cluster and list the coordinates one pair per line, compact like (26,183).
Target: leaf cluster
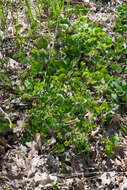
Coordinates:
(75,85)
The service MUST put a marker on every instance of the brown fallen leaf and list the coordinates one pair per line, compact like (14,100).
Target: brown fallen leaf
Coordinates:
(38,140)
(4,143)
(125,162)
(32,145)
(20,126)
(123,186)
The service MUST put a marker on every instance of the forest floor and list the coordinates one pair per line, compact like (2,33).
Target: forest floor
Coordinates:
(33,166)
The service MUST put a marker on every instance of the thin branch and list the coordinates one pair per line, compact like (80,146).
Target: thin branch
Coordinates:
(6,116)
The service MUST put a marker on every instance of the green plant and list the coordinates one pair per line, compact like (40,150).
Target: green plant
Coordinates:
(123,129)
(111,144)
(55,186)
(4,125)
(5,81)
(117,90)
(121,25)
(57,8)
(2,15)
(81,10)
(29,13)
(5,188)
(66,82)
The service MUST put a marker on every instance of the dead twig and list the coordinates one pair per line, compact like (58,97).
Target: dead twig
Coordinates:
(6,116)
